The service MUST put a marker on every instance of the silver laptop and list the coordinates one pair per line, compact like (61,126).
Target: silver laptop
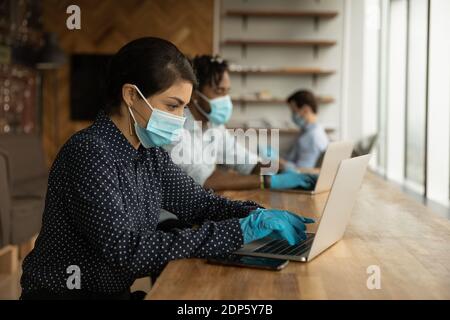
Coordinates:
(332,224)
(336,152)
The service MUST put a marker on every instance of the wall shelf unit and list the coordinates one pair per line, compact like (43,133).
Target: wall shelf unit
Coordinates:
(277,43)
(290,71)
(244,43)
(282,13)
(275,101)
(294,131)
(284,71)
(278,47)
(316,15)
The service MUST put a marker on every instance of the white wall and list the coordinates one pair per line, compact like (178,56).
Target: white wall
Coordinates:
(370,77)
(361,69)
(396,103)
(439,103)
(353,66)
(417,82)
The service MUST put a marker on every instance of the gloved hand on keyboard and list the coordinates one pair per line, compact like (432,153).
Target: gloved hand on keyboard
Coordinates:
(276,224)
(292,180)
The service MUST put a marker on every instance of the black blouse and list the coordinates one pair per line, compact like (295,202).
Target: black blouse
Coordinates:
(102,209)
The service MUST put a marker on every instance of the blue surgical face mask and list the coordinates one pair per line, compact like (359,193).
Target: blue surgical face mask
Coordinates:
(221,108)
(299,120)
(162,128)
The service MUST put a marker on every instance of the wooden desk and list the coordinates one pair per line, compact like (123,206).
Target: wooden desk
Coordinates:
(410,244)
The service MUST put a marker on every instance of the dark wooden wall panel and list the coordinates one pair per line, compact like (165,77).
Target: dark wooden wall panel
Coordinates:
(106,25)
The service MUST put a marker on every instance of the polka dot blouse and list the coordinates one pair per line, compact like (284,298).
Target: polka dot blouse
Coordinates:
(102,209)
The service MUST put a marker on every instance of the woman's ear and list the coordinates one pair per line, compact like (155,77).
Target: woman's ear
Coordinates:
(128,94)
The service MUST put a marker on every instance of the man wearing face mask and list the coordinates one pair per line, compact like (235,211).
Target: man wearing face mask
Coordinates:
(211,107)
(313,140)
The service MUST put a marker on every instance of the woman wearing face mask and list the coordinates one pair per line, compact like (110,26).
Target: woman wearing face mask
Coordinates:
(110,180)
(312,141)
(212,107)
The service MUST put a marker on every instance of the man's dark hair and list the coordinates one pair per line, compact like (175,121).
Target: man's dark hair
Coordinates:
(302,97)
(209,70)
(152,64)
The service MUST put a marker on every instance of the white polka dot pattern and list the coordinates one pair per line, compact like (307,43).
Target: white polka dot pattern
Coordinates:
(102,209)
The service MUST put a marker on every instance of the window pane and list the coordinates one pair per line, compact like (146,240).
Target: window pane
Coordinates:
(382,111)
(439,103)
(416,114)
(396,90)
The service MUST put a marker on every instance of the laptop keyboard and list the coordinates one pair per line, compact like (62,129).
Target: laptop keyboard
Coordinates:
(282,247)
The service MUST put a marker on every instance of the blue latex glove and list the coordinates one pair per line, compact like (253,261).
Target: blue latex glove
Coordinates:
(277,224)
(292,180)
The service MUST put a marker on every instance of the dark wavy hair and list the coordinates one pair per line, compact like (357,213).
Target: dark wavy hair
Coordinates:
(302,97)
(209,70)
(152,64)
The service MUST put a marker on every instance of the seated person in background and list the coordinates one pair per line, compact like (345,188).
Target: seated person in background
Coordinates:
(312,141)
(211,106)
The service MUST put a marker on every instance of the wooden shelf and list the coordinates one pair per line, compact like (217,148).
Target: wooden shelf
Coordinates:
(281,14)
(320,100)
(284,130)
(284,71)
(278,43)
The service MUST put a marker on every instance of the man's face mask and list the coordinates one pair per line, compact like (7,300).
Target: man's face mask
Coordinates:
(299,120)
(221,108)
